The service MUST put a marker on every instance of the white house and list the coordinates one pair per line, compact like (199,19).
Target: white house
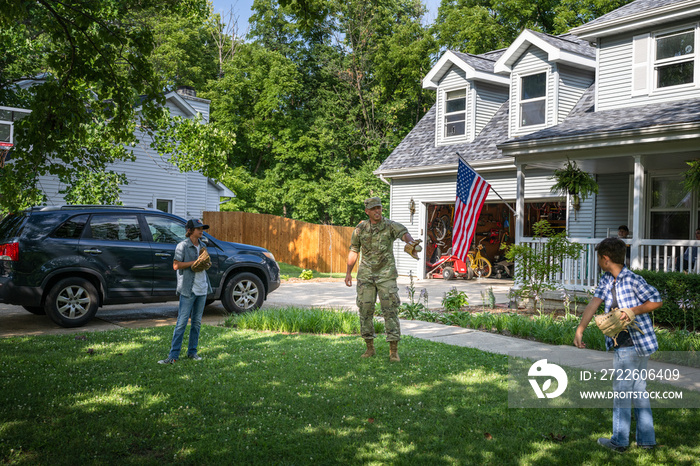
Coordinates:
(619,95)
(152,180)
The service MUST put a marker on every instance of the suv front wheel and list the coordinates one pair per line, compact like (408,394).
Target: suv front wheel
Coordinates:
(72,302)
(243,292)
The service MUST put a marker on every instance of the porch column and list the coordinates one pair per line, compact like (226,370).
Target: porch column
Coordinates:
(520,203)
(638,216)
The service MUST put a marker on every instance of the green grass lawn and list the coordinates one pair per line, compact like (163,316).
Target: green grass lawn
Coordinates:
(288,270)
(270,398)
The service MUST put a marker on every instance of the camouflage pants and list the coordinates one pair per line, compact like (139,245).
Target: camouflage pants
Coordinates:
(388,291)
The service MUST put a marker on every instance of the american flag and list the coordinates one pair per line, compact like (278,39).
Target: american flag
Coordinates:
(472,190)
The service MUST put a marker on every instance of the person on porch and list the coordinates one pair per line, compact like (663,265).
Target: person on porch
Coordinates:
(690,255)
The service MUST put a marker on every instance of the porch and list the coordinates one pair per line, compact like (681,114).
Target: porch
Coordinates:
(583,273)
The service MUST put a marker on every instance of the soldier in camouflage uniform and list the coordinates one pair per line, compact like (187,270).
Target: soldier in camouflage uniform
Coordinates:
(374,238)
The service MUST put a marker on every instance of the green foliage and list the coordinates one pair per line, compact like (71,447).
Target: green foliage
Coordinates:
(680,293)
(88,187)
(691,177)
(414,307)
(300,320)
(454,300)
(478,26)
(488,298)
(574,181)
(537,265)
(306,274)
(94,77)
(318,103)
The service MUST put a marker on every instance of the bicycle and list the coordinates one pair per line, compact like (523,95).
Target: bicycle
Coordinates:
(480,264)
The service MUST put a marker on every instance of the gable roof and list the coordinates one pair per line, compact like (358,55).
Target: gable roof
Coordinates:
(418,148)
(566,48)
(637,15)
(480,67)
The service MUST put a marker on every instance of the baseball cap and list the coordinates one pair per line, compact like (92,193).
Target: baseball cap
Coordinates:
(372,202)
(195,223)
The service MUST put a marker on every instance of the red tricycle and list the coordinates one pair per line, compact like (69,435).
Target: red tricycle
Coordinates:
(450,266)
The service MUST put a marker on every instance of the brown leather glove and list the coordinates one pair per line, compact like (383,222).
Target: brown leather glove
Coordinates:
(203,262)
(611,325)
(413,248)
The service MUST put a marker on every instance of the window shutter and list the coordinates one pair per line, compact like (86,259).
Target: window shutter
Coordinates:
(640,64)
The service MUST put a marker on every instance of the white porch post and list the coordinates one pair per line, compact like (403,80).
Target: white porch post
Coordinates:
(520,203)
(638,216)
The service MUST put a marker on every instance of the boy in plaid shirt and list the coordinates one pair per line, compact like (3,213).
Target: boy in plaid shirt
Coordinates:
(620,288)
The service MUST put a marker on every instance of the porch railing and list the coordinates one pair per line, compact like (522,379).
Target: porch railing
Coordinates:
(583,272)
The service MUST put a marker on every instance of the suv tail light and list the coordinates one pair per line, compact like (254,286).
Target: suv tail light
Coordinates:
(9,252)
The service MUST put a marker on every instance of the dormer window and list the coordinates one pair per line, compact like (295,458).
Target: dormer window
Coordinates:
(533,99)
(675,58)
(455,113)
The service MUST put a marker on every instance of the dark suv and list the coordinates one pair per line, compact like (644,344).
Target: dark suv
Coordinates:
(68,261)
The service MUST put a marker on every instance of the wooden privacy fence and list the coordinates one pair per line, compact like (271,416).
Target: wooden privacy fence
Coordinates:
(319,247)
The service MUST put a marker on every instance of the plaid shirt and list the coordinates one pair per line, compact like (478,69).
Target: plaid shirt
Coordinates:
(632,290)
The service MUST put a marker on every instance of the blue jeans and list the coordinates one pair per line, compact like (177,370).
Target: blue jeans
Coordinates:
(189,307)
(627,359)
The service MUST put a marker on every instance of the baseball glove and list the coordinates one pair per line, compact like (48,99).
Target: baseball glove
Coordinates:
(413,248)
(203,262)
(611,325)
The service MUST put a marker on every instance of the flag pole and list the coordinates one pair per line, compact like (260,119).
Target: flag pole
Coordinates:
(494,191)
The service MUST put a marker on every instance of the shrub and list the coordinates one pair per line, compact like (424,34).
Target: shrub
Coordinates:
(537,266)
(454,300)
(306,274)
(680,293)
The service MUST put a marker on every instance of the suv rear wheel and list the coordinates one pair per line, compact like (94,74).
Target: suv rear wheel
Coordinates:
(243,292)
(72,302)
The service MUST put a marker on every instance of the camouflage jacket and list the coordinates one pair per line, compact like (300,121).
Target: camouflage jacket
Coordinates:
(375,243)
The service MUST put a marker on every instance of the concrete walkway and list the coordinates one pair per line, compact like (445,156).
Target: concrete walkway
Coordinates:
(564,355)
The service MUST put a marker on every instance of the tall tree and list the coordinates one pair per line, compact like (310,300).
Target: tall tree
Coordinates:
(91,63)
(478,26)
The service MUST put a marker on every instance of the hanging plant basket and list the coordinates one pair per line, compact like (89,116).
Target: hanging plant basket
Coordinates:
(575,182)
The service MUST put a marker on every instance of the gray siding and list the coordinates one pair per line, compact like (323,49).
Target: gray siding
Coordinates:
(573,83)
(442,190)
(489,99)
(614,82)
(581,223)
(453,80)
(532,62)
(151,177)
(612,203)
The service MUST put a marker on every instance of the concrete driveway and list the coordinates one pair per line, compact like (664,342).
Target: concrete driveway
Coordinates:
(15,321)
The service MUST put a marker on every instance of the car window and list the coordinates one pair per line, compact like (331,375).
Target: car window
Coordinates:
(11,225)
(115,227)
(165,230)
(71,228)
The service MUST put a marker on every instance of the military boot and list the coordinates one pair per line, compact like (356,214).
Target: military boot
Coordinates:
(394,351)
(370,348)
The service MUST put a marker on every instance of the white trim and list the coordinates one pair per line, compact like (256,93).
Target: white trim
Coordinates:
(554,54)
(555,98)
(437,170)
(518,115)
(448,59)
(444,138)
(628,23)
(654,63)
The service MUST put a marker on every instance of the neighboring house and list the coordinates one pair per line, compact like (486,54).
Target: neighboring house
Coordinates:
(152,180)
(620,95)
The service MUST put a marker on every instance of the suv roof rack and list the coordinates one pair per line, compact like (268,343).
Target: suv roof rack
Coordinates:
(86,206)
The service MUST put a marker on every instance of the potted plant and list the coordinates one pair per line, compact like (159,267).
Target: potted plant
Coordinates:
(691,179)
(575,182)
